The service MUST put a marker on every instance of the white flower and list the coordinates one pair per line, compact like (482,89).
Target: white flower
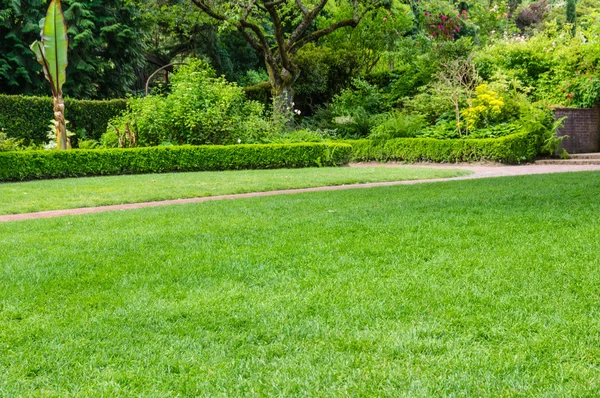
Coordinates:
(239,141)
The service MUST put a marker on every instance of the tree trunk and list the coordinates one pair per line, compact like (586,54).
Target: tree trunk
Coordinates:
(62,141)
(283,104)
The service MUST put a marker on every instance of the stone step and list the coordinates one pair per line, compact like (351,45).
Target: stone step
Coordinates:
(570,162)
(585,156)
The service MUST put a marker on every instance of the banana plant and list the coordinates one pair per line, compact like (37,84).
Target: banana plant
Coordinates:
(51,53)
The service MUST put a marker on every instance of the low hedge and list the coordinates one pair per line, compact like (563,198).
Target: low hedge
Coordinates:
(515,148)
(28,117)
(29,165)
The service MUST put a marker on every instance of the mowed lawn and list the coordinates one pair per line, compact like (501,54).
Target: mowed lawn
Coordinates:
(25,197)
(462,288)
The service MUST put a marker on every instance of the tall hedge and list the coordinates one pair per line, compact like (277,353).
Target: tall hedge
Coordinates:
(28,117)
(29,165)
(512,149)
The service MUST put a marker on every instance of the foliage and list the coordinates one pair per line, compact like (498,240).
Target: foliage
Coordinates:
(326,71)
(551,66)
(571,13)
(9,144)
(26,118)
(51,54)
(444,27)
(484,108)
(306,135)
(105,48)
(29,165)
(360,96)
(538,121)
(398,125)
(532,15)
(381,30)
(201,109)
(515,148)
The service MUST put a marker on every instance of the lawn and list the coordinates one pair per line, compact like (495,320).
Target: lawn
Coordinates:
(462,288)
(26,197)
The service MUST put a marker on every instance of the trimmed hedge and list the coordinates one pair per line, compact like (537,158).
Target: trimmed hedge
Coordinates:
(29,165)
(28,117)
(515,148)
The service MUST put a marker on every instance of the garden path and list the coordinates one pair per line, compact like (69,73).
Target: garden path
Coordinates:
(479,171)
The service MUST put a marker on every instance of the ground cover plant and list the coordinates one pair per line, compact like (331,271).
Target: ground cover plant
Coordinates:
(465,288)
(25,197)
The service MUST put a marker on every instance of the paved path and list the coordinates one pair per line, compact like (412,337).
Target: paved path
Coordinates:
(479,171)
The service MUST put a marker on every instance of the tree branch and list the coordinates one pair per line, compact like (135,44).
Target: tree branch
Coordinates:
(202,5)
(309,17)
(320,33)
(279,36)
(302,7)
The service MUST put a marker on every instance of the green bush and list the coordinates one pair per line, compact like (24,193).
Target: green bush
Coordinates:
(201,109)
(398,125)
(515,148)
(29,165)
(27,118)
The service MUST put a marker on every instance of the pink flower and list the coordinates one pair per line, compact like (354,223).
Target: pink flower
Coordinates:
(457,29)
(384,19)
(426,13)
(464,11)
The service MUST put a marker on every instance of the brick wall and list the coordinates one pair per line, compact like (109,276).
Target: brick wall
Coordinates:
(582,127)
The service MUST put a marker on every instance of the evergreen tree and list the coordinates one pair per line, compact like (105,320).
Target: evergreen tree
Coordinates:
(572,14)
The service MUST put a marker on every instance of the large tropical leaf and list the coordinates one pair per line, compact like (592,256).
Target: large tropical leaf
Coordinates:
(56,43)
(38,49)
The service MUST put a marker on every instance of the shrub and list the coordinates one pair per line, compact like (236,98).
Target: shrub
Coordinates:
(9,144)
(26,118)
(29,165)
(201,109)
(515,148)
(397,125)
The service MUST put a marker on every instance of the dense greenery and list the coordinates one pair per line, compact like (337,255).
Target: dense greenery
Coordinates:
(33,196)
(516,148)
(29,165)
(466,288)
(344,70)
(200,109)
(27,118)
(105,48)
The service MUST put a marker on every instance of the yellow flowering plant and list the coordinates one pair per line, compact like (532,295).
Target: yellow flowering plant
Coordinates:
(484,108)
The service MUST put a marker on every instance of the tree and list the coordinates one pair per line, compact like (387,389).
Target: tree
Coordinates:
(106,47)
(278,29)
(571,10)
(456,82)
(51,53)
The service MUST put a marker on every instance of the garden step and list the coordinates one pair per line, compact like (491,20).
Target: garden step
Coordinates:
(585,156)
(570,162)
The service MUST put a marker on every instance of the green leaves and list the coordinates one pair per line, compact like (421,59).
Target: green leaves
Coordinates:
(51,52)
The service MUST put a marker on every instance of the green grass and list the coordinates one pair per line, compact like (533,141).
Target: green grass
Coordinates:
(464,288)
(26,197)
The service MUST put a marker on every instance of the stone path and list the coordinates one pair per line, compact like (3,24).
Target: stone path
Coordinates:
(479,171)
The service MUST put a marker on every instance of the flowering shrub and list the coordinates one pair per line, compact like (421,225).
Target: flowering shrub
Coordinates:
(444,27)
(486,106)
